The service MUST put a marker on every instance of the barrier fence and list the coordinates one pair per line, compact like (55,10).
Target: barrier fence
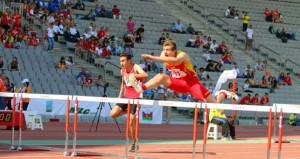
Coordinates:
(282,108)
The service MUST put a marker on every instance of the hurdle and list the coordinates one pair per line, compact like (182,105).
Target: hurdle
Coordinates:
(29,95)
(282,108)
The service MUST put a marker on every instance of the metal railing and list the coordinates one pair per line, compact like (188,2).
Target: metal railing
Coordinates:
(278,60)
(221,26)
(110,68)
(292,69)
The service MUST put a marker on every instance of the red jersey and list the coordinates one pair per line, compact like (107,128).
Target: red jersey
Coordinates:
(34,42)
(267,13)
(183,70)
(116,11)
(101,33)
(264,100)
(225,58)
(5,19)
(254,100)
(129,90)
(17,19)
(287,80)
(245,100)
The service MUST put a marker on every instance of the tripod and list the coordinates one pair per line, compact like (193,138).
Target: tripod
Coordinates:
(99,109)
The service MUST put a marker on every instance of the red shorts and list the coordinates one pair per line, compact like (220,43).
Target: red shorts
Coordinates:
(191,85)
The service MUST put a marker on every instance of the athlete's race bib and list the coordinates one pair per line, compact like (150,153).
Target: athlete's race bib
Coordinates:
(177,73)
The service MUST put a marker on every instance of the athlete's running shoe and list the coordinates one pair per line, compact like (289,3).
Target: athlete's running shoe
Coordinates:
(135,83)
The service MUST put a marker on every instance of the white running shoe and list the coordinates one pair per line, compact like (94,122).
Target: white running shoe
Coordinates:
(135,83)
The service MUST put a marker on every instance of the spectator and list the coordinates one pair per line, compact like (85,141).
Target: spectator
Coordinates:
(2,63)
(69,63)
(254,100)
(34,41)
(198,41)
(263,82)
(265,100)
(190,29)
(168,37)
(245,21)
(162,39)
(116,12)
(225,58)
(203,75)
(14,65)
(101,83)
(271,29)
(227,12)
(205,43)
(245,100)
(172,28)
(248,72)
(89,80)
(252,83)
(82,73)
(210,88)
(9,88)
(79,5)
(25,89)
(268,15)
(213,47)
(2,89)
(103,11)
(50,37)
(249,38)
(81,80)
(280,79)
(294,120)
(128,44)
(273,84)
(214,66)
(287,79)
(140,31)
(223,47)
(62,64)
(239,75)
(179,27)
(119,48)
(130,25)
(246,86)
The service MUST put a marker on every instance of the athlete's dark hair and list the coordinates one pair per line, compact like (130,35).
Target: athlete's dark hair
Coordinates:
(127,55)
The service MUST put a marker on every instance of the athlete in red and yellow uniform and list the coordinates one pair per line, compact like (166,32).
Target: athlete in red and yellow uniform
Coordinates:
(183,79)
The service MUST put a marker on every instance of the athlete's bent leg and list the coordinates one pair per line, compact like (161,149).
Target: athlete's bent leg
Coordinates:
(116,111)
(157,80)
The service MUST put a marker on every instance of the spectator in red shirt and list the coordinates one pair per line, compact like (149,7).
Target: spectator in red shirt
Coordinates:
(287,79)
(116,12)
(245,100)
(265,100)
(89,80)
(254,100)
(223,47)
(101,33)
(34,41)
(16,18)
(198,41)
(225,58)
(267,12)
(6,19)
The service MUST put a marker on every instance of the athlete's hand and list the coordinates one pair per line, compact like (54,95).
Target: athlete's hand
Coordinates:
(147,57)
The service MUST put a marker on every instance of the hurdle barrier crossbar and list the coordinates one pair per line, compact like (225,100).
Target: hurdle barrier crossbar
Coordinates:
(275,108)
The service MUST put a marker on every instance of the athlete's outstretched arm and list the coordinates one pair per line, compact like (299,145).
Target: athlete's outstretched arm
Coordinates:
(181,58)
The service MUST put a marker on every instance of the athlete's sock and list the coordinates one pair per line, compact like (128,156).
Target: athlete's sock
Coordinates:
(144,87)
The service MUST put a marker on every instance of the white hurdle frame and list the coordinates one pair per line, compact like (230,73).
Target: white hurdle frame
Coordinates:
(284,108)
